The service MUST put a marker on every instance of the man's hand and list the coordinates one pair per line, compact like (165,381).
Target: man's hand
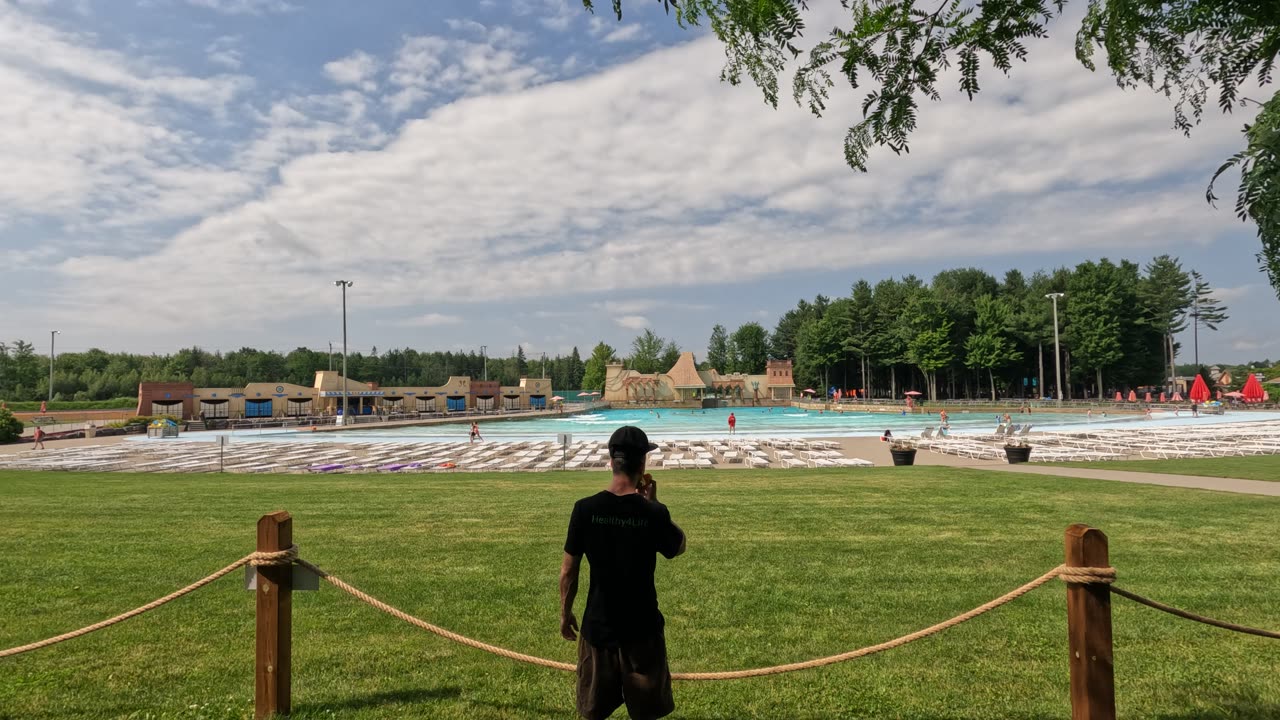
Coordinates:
(648,488)
(568,626)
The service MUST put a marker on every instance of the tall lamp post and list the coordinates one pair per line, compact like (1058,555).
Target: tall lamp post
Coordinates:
(544,366)
(52,335)
(485,356)
(346,393)
(1195,329)
(1057,353)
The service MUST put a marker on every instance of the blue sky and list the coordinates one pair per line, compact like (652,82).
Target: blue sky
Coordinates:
(503,172)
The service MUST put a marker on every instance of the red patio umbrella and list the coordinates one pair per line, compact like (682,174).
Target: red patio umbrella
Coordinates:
(1119,397)
(1177,397)
(1133,396)
(912,393)
(1252,389)
(1162,397)
(1148,398)
(1199,390)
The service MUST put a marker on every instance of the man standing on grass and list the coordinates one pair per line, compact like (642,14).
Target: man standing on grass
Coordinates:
(622,655)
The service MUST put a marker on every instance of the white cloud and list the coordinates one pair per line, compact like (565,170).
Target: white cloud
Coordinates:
(1232,294)
(356,69)
(465,25)
(427,65)
(582,186)
(1250,345)
(622,183)
(625,33)
(626,307)
(557,15)
(91,137)
(428,320)
(66,59)
(225,51)
(245,7)
(632,322)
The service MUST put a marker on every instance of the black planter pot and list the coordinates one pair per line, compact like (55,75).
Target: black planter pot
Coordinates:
(903,457)
(1017,454)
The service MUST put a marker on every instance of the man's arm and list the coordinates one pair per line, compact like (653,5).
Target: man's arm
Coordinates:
(569,591)
(680,550)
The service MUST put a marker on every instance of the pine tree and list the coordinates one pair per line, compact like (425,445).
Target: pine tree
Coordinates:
(1206,310)
(1093,307)
(1166,296)
(992,344)
(646,353)
(750,348)
(576,370)
(718,349)
(596,367)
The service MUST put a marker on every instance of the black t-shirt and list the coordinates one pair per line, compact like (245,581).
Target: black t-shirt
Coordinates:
(620,535)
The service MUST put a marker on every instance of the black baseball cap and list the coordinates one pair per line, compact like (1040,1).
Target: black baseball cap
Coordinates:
(631,441)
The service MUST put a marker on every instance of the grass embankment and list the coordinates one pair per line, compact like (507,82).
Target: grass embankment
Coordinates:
(66,405)
(782,566)
(1253,467)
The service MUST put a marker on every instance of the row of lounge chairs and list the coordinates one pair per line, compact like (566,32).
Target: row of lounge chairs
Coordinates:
(1117,443)
(255,456)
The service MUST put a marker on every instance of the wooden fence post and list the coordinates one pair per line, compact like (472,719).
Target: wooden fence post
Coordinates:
(275,619)
(1093,693)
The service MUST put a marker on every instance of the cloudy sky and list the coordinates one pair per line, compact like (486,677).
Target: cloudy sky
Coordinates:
(503,172)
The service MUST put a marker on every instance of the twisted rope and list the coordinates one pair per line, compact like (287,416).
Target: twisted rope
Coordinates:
(268,558)
(1087,575)
(1192,616)
(721,675)
(420,623)
(1107,576)
(1073,575)
(283,557)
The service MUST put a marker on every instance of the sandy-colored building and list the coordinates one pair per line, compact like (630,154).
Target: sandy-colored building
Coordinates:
(279,400)
(685,383)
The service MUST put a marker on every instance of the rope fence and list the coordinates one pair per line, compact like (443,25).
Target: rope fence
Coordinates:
(1099,581)
(253,559)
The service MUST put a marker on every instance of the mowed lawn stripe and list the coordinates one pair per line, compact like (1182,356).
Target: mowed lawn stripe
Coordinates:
(1249,467)
(783,566)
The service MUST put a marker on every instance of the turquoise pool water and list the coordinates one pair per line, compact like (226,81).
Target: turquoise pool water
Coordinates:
(752,422)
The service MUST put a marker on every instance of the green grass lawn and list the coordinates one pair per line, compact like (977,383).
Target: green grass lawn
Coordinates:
(1253,467)
(782,566)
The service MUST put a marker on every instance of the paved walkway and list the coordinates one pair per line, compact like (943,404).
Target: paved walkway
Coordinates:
(1250,487)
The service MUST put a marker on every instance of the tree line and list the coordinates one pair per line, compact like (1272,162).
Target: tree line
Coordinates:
(966,334)
(99,375)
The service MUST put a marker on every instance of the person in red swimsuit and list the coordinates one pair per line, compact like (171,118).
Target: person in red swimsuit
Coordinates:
(733,423)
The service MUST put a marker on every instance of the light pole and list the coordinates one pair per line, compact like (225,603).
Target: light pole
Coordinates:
(544,366)
(1057,353)
(1195,328)
(484,356)
(52,334)
(346,393)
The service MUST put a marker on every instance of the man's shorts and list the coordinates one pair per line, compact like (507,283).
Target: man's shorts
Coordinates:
(635,674)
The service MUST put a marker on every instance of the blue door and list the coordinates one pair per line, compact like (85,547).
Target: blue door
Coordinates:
(257,408)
